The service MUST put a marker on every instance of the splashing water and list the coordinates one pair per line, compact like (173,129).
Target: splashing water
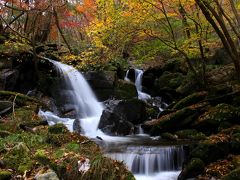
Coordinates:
(87,108)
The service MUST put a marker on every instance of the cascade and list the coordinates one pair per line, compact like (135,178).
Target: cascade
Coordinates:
(146,162)
(150,161)
(138,84)
(88,109)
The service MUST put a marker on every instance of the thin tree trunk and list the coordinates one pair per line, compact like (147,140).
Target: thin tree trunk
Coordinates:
(184,20)
(223,35)
(235,12)
(60,30)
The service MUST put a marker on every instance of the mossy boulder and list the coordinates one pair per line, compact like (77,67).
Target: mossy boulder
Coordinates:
(173,121)
(235,143)
(125,90)
(169,136)
(5,174)
(192,169)
(120,116)
(102,83)
(18,157)
(213,148)
(211,119)
(190,134)
(169,80)
(191,99)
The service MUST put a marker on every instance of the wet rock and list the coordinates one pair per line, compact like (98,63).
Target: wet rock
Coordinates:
(120,116)
(131,75)
(125,90)
(102,83)
(5,106)
(8,79)
(77,126)
(192,169)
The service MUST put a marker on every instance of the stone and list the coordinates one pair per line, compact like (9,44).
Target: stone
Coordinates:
(192,169)
(102,83)
(213,148)
(8,79)
(169,80)
(77,126)
(172,121)
(120,116)
(215,116)
(125,90)
(190,134)
(5,106)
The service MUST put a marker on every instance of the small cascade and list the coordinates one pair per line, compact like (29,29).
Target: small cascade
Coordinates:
(88,109)
(150,161)
(138,83)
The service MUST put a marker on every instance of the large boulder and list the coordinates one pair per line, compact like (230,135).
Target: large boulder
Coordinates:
(102,83)
(192,169)
(5,106)
(213,148)
(174,120)
(125,90)
(8,79)
(215,116)
(120,116)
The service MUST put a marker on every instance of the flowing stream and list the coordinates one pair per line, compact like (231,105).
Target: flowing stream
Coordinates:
(138,83)
(145,161)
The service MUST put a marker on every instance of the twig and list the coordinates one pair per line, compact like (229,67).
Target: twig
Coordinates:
(14,107)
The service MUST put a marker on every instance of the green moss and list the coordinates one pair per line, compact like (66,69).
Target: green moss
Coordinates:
(19,158)
(4,133)
(125,90)
(191,99)
(192,169)
(191,134)
(169,136)
(169,80)
(73,147)
(57,129)
(5,175)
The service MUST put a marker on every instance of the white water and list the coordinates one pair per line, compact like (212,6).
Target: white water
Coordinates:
(88,109)
(147,163)
(152,162)
(138,84)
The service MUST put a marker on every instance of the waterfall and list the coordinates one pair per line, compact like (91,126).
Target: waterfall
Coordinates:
(146,162)
(138,84)
(151,161)
(87,108)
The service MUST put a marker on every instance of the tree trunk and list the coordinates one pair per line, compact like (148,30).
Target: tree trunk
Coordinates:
(1,27)
(184,21)
(222,33)
(60,30)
